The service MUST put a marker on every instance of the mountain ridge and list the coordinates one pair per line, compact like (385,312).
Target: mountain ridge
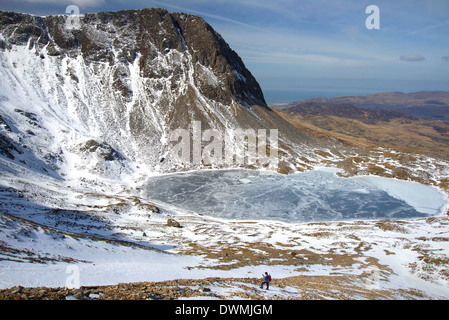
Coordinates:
(429,105)
(371,127)
(346,110)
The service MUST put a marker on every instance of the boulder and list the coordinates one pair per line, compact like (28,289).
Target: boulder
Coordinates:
(173,223)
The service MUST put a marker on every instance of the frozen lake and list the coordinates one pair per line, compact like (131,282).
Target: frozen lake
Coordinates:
(319,195)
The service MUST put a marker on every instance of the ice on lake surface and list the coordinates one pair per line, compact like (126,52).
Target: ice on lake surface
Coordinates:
(318,195)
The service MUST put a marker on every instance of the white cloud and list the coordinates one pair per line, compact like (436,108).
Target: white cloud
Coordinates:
(80,3)
(441,24)
(286,58)
(411,57)
(283,46)
(205,14)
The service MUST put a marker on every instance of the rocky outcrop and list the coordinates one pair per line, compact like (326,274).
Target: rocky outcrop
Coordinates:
(126,35)
(173,223)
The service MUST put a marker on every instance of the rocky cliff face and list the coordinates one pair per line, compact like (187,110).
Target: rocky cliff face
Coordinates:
(101,93)
(122,37)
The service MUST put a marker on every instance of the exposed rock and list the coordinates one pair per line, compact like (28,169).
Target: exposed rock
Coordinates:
(16,289)
(103,149)
(78,294)
(299,287)
(173,223)
(8,147)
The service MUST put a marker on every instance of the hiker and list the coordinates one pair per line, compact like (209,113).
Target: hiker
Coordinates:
(267,279)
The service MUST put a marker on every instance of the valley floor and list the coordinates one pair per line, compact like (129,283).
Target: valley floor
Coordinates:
(114,244)
(140,257)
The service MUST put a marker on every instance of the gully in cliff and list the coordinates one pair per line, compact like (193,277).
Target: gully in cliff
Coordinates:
(238,145)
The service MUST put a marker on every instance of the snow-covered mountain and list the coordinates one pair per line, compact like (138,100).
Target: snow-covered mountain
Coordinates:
(87,107)
(102,96)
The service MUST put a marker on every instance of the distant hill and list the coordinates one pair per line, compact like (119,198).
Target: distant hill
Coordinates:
(369,127)
(346,110)
(430,105)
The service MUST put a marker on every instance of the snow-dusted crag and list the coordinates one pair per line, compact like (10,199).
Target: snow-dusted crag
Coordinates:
(101,94)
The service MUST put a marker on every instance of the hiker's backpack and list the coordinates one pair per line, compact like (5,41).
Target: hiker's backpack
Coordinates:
(269,278)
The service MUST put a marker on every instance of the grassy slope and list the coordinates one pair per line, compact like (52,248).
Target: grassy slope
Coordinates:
(423,136)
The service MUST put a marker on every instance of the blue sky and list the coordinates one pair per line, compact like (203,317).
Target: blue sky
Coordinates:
(307,48)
